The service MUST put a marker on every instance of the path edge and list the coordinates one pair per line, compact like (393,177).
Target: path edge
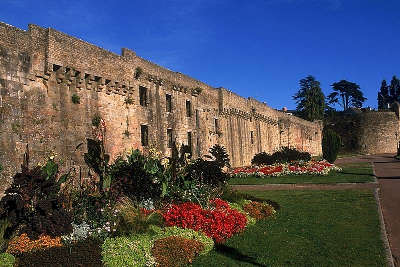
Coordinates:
(389,256)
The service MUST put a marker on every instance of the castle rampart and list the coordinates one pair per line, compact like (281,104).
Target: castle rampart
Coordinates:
(42,69)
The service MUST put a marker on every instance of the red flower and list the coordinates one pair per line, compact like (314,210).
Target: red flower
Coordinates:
(219,223)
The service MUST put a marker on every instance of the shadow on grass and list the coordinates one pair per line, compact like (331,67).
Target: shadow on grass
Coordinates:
(356,173)
(235,254)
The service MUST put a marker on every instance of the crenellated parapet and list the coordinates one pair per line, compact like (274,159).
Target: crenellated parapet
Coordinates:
(42,70)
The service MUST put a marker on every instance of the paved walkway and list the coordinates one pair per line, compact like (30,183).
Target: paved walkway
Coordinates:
(387,170)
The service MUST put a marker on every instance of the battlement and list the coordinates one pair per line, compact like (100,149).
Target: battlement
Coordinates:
(53,84)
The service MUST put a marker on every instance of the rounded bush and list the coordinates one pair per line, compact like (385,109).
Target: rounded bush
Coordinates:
(283,155)
(6,260)
(207,242)
(259,210)
(128,251)
(175,251)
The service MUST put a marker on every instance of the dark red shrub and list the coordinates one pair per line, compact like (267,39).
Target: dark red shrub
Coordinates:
(259,210)
(83,253)
(176,251)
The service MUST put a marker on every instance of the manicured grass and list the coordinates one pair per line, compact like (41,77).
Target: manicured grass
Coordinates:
(351,173)
(348,154)
(312,228)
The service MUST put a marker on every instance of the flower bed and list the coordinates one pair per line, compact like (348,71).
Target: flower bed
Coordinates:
(48,220)
(294,168)
(219,222)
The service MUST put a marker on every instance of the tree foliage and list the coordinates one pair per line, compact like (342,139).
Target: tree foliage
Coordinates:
(394,89)
(346,94)
(388,94)
(330,145)
(219,154)
(310,99)
(383,96)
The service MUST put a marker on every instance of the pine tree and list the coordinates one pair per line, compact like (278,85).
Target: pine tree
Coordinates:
(310,99)
(394,89)
(383,96)
(381,102)
(346,94)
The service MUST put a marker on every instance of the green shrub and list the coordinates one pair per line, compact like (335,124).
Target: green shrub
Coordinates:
(208,172)
(207,242)
(137,176)
(128,251)
(330,145)
(220,155)
(6,260)
(76,99)
(283,155)
(262,158)
(287,154)
(96,120)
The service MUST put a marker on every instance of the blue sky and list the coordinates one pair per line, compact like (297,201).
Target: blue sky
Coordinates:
(257,48)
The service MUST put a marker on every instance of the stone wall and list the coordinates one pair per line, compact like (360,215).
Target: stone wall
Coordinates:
(41,69)
(379,132)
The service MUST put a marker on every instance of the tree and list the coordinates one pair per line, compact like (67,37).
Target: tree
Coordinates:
(346,94)
(310,99)
(394,89)
(383,96)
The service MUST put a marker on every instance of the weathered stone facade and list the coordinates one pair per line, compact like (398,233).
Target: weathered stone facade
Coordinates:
(380,131)
(41,69)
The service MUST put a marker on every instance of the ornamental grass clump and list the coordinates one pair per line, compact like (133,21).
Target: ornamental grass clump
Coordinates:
(176,251)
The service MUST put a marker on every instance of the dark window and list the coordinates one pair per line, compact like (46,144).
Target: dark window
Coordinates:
(169,137)
(168,100)
(251,137)
(188,108)
(216,126)
(144,132)
(143,96)
(189,137)
(197,118)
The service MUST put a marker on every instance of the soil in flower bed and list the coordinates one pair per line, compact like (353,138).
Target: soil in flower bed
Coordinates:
(84,253)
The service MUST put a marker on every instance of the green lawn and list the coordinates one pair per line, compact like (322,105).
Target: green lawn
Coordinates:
(348,154)
(351,173)
(313,228)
